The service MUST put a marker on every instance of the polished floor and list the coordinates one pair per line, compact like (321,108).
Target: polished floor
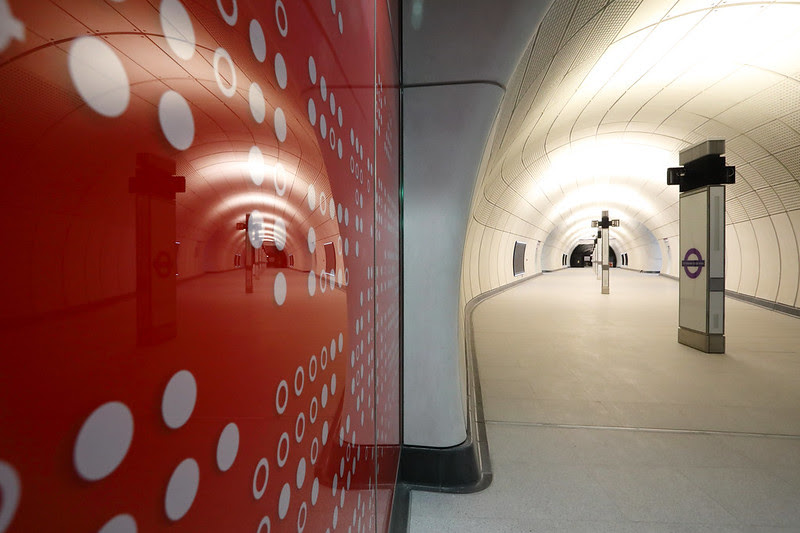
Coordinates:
(599,421)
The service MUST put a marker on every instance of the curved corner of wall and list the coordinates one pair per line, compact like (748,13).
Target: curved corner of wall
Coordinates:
(445,130)
(763,259)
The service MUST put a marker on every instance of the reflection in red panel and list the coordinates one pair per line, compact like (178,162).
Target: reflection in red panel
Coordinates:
(200,232)
(387,259)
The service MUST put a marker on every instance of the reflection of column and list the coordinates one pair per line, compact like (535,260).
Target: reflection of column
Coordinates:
(701,316)
(249,257)
(596,255)
(155,187)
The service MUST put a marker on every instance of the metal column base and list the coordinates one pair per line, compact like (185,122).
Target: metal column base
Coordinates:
(705,342)
(604,290)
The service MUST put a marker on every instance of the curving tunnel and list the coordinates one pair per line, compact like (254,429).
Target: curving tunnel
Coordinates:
(221,294)
(581,116)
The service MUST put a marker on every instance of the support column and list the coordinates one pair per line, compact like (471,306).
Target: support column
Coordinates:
(597,256)
(702,179)
(155,187)
(605,274)
(603,269)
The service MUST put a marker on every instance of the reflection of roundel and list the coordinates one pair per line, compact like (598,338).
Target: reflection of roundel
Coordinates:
(693,263)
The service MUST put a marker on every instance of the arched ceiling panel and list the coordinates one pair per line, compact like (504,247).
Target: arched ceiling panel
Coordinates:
(606,96)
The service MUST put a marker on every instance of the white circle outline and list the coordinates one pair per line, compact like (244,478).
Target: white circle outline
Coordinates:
(278,407)
(298,436)
(299,390)
(303,511)
(221,53)
(230,19)
(313,411)
(284,437)
(259,493)
(312,364)
(285,29)
(314,450)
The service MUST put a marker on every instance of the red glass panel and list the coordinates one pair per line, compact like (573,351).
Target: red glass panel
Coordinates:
(176,352)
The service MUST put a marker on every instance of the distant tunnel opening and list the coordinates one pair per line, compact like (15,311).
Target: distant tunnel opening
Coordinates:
(582,256)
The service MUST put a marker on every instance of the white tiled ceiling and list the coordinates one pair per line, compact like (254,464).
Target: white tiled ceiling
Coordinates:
(628,76)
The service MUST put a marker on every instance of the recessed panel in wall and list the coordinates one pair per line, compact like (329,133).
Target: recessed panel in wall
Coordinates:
(519,258)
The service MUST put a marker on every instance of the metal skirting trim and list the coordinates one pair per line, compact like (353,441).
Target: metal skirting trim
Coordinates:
(649,429)
(768,304)
(705,342)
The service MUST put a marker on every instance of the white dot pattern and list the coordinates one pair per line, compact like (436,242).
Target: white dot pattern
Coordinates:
(99,76)
(103,441)
(324,395)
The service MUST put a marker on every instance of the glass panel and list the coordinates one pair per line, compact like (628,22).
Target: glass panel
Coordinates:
(177,178)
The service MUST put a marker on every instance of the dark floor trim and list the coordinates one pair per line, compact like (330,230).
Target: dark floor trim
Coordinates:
(645,429)
(761,302)
(451,83)
(401,506)
(459,469)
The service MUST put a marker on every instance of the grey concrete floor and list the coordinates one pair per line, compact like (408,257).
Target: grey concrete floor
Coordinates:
(598,420)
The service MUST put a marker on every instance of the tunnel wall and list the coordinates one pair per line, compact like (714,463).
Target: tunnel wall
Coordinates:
(163,368)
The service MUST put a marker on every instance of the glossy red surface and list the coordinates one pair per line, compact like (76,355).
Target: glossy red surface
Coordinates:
(158,370)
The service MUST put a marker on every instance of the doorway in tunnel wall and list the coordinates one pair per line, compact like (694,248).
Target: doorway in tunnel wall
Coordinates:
(518,259)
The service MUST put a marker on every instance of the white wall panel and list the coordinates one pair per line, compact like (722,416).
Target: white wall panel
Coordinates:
(790,266)
(670,255)
(733,258)
(507,250)
(769,259)
(484,268)
(495,259)
(794,218)
(748,282)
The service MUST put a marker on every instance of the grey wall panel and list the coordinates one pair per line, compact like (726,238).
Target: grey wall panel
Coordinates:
(442,150)
(445,40)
